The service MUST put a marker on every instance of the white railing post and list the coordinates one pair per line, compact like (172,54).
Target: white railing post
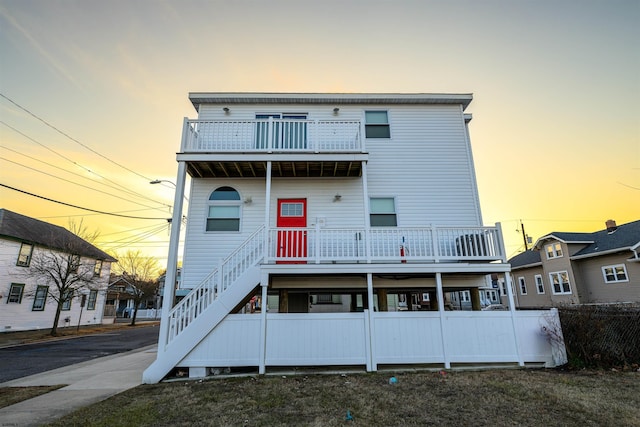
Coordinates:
(435,242)
(317,238)
(315,133)
(270,133)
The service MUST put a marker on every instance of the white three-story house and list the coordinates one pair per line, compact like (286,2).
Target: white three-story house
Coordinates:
(332,229)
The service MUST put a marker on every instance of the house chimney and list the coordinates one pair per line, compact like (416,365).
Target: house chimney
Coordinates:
(611,226)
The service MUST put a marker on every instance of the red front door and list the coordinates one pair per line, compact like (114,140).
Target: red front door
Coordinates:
(292,244)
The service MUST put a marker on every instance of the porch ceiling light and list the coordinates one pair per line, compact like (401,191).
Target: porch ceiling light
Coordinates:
(226,110)
(337,198)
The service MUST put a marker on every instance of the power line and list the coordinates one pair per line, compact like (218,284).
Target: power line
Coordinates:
(76,206)
(71,138)
(119,187)
(75,183)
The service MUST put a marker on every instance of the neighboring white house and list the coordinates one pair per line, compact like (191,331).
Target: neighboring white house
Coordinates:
(25,301)
(328,229)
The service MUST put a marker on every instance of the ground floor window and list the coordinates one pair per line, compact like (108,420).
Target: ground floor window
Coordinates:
(615,273)
(15,293)
(67,296)
(91,303)
(40,298)
(560,281)
(539,284)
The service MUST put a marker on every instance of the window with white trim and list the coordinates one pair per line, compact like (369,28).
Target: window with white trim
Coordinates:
(24,256)
(615,273)
(382,212)
(523,285)
(560,283)
(224,210)
(376,124)
(554,250)
(15,293)
(40,298)
(539,283)
(465,296)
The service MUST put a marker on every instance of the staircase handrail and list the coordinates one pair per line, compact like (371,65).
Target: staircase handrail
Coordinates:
(216,282)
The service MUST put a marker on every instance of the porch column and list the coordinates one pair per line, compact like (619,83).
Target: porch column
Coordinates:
(168,295)
(475,299)
(267,211)
(367,218)
(383,304)
(512,310)
(372,366)
(264,283)
(443,334)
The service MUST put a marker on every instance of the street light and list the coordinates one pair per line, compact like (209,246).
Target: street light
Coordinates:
(158,181)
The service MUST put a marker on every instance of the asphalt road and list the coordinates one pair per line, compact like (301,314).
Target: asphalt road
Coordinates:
(24,360)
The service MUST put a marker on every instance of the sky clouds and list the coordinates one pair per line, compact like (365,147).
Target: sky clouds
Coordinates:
(555,133)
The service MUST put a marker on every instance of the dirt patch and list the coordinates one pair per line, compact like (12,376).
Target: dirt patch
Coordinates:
(12,395)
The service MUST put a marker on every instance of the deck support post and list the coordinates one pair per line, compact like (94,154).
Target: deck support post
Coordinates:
(372,366)
(443,335)
(512,310)
(264,284)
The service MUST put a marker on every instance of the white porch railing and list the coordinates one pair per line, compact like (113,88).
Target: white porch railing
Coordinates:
(434,244)
(272,135)
(250,253)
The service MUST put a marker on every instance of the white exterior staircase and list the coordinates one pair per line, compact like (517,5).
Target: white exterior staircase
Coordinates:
(193,318)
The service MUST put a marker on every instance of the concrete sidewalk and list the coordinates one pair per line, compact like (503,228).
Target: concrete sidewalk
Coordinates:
(88,382)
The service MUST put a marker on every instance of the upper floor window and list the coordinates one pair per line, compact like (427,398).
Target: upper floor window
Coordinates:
(97,269)
(615,273)
(74,263)
(539,284)
(382,212)
(376,124)
(40,298)
(560,282)
(15,293)
(224,210)
(24,257)
(523,285)
(554,250)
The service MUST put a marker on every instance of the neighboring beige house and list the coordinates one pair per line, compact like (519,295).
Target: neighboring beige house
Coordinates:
(25,301)
(580,268)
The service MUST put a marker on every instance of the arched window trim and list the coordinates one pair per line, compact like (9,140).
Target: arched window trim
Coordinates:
(224,215)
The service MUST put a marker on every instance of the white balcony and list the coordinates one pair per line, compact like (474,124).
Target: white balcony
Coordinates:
(384,245)
(272,136)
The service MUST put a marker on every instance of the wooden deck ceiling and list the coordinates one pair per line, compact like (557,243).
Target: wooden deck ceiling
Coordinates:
(280,169)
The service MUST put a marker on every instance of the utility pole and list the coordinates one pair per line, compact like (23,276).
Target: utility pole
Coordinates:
(524,237)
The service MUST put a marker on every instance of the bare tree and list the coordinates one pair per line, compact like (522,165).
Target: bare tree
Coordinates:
(142,273)
(64,272)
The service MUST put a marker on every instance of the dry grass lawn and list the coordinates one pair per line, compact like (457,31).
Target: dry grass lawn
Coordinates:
(470,398)
(12,395)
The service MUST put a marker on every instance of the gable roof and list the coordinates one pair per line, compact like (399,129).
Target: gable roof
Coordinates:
(528,258)
(625,237)
(20,227)
(198,98)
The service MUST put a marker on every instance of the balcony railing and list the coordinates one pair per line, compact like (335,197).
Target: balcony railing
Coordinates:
(322,245)
(272,136)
